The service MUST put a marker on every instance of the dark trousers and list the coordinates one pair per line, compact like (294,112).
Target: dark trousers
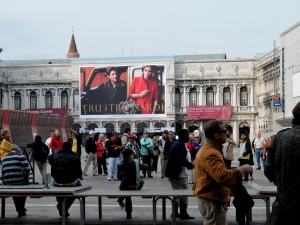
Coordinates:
(101,163)
(228,163)
(244,162)
(146,159)
(154,162)
(128,204)
(19,203)
(69,202)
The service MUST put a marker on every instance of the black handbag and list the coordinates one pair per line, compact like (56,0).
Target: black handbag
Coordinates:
(127,107)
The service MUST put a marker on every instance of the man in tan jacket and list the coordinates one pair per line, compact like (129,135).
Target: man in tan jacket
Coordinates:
(212,179)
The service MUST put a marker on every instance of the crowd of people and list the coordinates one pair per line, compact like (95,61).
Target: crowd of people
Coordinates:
(204,162)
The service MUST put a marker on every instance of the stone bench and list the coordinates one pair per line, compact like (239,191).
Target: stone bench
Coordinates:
(155,194)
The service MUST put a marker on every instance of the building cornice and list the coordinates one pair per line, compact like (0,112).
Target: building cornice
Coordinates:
(41,83)
(218,60)
(290,29)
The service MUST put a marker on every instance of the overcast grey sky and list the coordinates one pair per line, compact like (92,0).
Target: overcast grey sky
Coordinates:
(41,29)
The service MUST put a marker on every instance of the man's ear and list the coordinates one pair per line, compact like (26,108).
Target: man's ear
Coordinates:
(216,136)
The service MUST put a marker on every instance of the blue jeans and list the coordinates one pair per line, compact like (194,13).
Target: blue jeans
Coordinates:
(112,166)
(258,154)
(121,157)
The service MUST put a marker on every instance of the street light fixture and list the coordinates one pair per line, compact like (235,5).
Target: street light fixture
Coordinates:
(1,49)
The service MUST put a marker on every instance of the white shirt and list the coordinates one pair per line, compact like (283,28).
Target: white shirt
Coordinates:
(224,151)
(259,143)
(48,141)
(185,172)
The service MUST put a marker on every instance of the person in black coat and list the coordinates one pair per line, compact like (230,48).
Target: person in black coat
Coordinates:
(246,155)
(66,171)
(176,170)
(129,174)
(282,167)
(91,149)
(74,137)
(40,155)
(76,141)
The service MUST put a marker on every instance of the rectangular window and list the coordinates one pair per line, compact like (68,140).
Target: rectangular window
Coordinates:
(33,102)
(17,103)
(226,99)
(49,102)
(64,102)
(177,100)
(193,99)
(244,98)
(76,101)
(210,99)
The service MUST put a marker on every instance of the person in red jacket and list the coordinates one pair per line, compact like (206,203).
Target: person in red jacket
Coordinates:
(101,156)
(56,142)
(145,90)
(191,147)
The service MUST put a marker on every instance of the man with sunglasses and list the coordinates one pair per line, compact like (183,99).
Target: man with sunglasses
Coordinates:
(212,179)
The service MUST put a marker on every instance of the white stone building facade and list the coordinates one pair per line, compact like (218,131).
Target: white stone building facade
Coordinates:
(217,82)
(290,70)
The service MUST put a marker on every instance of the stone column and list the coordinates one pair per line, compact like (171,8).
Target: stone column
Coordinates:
(221,97)
(55,100)
(188,98)
(235,132)
(251,95)
(117,127)
(200,125)
(234,95)
(71,101)
(41,103)
(133,125)
(184,96)
(12,101)
(251,130)
(218,95)
(200,95)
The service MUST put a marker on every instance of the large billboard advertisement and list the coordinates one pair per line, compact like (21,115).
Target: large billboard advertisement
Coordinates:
(209,112)
(122,91)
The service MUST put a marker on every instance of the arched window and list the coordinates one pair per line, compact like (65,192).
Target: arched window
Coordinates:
(210,96)
(76,99)
(123,126)
(193,97)
(17,101)
(64,99)
(33,100)
(226,96)
(243,96)
(177,98)
(48,99)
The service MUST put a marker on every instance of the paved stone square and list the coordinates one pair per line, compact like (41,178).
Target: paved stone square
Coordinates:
(43,210)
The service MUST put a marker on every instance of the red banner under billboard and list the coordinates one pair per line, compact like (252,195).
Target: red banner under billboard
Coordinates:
(207,112)
(53,111)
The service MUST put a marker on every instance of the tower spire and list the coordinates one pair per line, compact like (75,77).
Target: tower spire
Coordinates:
(73,53)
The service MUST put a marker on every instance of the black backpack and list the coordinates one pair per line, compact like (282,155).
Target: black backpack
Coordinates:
(64,173)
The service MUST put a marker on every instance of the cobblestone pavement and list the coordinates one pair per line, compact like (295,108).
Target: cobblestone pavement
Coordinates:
(43,210)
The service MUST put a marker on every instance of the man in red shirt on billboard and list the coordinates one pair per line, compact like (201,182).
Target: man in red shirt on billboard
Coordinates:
(56,142)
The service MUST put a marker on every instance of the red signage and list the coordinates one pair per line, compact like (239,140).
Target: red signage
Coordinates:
(53,111)
(207,112)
